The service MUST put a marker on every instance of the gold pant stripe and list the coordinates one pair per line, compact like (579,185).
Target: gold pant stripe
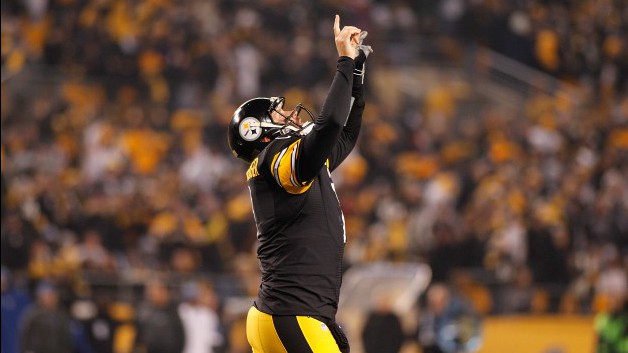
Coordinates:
(317,335)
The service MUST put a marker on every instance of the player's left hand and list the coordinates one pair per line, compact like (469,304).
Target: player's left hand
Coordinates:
(363,50)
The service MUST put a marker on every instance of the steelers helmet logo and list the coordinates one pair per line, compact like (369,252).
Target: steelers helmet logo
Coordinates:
(250,129)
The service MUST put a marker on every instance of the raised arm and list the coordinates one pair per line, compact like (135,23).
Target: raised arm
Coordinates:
(318,145)
(349,135)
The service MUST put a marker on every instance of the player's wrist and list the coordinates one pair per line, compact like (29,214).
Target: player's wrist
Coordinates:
(346,63)
(346,58)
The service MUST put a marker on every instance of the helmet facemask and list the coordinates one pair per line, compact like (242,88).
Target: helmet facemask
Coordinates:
(290,125)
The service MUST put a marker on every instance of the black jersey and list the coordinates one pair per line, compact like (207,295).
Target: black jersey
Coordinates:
(300,226)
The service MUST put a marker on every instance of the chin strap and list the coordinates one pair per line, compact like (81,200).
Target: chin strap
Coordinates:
(307,127)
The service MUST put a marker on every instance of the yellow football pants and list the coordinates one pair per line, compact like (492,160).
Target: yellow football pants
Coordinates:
(288,334)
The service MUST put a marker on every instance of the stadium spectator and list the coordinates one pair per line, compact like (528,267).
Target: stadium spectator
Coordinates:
(610,323)
(448,324)
(160,329)
(46,327)
(200,320)
(15,300)
(382,330)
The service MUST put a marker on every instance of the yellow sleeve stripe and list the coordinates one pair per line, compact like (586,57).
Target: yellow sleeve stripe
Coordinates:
(275,166)
(252,172)
(293,164)
(283,169)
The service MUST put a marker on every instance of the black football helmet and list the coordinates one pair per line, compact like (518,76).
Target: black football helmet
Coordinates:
(252,123)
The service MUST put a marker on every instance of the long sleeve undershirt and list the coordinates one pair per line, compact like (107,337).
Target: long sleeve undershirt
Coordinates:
(337,127)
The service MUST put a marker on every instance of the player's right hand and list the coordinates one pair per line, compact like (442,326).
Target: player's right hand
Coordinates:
(346,39)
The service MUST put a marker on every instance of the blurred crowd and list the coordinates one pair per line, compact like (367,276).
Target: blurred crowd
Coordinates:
(116,170)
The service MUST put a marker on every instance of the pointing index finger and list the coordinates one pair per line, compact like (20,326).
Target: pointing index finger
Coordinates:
(336,25)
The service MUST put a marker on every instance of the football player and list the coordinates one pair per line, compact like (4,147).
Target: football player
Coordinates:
(300,225)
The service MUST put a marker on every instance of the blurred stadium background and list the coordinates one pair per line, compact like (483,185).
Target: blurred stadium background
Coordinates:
(493,159)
